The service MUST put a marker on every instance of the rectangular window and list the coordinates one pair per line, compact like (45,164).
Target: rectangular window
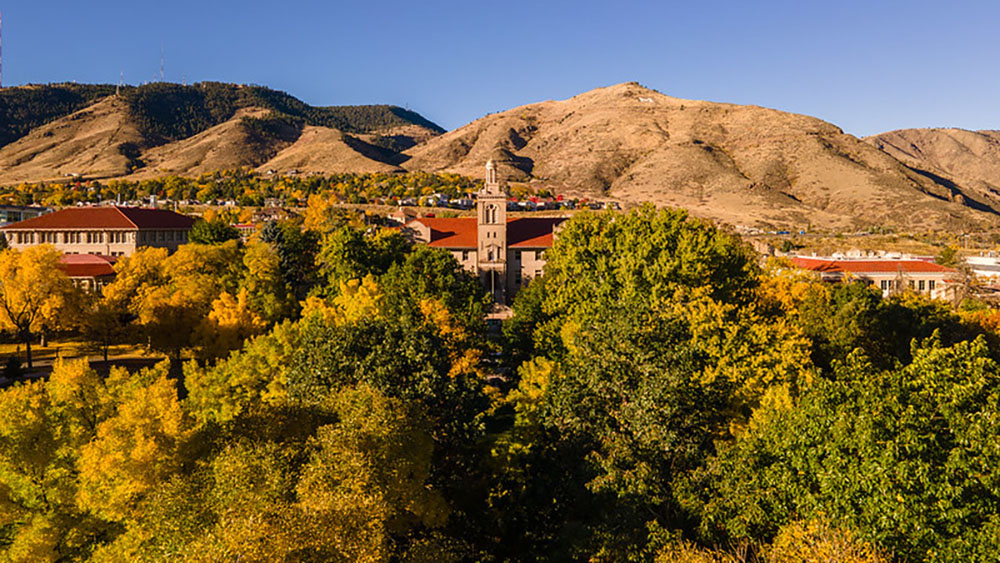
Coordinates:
(538,273)
(884,284)
(162,236)
(922,285)
(930,285)
(911,284)
(517,257)
(465,256)
(517,277)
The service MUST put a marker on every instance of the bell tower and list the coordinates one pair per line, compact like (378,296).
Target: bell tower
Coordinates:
(491,212)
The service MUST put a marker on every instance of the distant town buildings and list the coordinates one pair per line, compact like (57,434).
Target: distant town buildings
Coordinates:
(107,231)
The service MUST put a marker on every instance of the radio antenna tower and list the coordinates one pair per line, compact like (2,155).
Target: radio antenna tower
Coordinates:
(161,61)
(121,79)
(1,50)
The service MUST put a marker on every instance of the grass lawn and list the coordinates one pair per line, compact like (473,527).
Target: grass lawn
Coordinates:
(70,348)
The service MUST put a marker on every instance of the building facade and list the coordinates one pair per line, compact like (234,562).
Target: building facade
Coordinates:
(504,253)
(107,231)
(888,275)
(14,213)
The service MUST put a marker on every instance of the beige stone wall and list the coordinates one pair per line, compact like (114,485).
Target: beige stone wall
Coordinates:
(94,241)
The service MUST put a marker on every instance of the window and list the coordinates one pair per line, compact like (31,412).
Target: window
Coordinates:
(538,273)
(517,277)
(930,285)
(911,284)
(162,236)
(517,256)
(922,285)
(491,214)
(884,284)
(465,256)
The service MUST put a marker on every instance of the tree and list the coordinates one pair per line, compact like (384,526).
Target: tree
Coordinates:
(213,232)
(34,293)
(905,457)
(348,253)
(296,250)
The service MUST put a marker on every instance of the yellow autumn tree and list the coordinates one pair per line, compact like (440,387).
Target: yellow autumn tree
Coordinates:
(43,426)
(34,293)
(228,324)
(136,447)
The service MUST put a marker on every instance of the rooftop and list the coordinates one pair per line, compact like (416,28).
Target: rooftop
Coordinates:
(461,232)
(105,218)
(827,265)
(87,265)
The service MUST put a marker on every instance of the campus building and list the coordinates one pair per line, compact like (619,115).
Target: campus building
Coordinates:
(887,274)
(505,253)
(107,231)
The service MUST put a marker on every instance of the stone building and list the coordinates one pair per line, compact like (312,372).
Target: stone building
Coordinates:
(505,253)
(107,231)
(888,275)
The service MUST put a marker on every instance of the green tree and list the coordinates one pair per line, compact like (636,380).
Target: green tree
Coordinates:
(213,232)
(904,456)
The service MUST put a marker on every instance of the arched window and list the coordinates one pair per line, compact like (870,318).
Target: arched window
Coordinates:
(491,214)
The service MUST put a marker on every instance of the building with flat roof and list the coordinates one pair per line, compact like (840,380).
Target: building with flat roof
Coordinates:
(888,274)
(15,213)
(505,253)
(109,231)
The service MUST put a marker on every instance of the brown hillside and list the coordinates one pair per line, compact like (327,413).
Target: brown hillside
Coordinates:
(740,164)
(226,146)
(324,150)
(88,142)
(101,141)
(969,158)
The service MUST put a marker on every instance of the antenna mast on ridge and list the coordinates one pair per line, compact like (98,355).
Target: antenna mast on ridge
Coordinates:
(161,61)
(1,50)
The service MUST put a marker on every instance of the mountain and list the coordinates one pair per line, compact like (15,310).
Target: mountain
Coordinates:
(741,164)
(745,165)
(157,129)
(967,159)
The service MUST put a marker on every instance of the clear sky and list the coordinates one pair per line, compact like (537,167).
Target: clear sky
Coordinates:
(867,66)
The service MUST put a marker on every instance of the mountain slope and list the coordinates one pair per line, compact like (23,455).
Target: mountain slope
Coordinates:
(970,159)
(741,164)
(160,129)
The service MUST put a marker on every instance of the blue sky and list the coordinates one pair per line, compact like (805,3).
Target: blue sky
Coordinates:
(866,66)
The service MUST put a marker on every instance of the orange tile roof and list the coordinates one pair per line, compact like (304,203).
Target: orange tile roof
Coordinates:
(105,218)
(87,265)
(461,232)
(870,266)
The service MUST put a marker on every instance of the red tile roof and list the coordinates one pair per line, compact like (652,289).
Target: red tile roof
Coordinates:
(870,266)
(87,265)
(105,218)
(532,232)
(461,232)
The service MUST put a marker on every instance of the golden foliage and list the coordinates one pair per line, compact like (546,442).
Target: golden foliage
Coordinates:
(816,541)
